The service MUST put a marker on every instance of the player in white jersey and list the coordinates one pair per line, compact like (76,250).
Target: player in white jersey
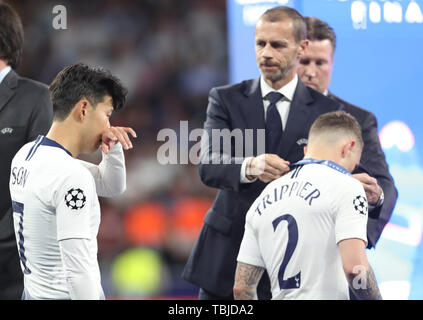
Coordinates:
(308,228)
(54,195)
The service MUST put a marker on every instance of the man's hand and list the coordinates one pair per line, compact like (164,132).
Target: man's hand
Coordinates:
(266,167)
(371,187)
(113,135)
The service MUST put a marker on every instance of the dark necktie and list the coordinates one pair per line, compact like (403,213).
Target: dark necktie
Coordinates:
(273,123)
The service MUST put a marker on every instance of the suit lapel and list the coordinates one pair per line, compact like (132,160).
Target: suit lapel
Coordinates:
(335,98)
(299,113)
(252,105)
(7,88)
(252,108)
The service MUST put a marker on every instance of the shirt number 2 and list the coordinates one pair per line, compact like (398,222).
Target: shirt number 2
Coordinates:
(295,281)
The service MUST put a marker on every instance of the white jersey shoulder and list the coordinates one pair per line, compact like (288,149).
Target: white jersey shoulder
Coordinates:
(54,198)
(293,228)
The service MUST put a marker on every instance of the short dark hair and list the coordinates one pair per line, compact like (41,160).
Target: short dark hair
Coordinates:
(80,81)
(337,122)
(280,13)
(320,30)
(11,35)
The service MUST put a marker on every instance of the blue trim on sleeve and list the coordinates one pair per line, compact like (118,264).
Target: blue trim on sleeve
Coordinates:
(33,148)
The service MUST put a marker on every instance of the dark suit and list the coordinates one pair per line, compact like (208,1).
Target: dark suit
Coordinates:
(212,262)
(374,164)
(25,112)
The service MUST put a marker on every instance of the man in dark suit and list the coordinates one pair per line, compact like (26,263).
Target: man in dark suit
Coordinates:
(315,69)
(281,105)
(25,112)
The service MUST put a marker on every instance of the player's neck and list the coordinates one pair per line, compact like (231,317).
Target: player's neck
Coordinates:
(3,64)
(322,154)
(329,155)
(66,136)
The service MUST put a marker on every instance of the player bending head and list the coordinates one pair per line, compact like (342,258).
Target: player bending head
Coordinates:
(335,136)
(312,250)
(83,101)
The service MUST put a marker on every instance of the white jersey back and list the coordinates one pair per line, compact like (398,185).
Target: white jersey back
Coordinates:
(54,198)
(293,227)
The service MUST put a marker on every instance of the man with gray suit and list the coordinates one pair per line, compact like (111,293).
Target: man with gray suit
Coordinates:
(25,112)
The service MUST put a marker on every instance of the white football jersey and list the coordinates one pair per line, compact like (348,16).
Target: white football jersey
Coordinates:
(294,226)
(54,198)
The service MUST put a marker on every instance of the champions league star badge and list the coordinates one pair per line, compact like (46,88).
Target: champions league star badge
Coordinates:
(75,199)
(360,204)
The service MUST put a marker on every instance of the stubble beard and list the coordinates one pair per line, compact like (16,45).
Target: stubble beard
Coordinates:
(280,74)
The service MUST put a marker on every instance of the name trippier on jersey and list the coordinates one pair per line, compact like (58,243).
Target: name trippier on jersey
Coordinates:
(302,189)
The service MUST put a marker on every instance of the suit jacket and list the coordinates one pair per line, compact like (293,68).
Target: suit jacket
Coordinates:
(25,112)
(212,262)
(373,163)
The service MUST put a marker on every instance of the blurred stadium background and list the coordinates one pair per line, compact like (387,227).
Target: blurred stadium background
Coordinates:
(170,54)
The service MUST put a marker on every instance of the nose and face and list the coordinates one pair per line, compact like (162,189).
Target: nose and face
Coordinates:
(97,123)
(276,50)
(315,65)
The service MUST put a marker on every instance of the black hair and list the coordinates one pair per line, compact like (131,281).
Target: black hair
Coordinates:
(11,35)
(80,81)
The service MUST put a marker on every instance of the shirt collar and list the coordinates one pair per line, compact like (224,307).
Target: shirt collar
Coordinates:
(51,143)
(287,90)
(4,73)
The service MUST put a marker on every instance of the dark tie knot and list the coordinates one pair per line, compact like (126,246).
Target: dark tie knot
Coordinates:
(274,96)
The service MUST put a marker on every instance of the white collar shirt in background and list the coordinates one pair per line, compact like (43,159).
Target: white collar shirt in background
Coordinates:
(4,73)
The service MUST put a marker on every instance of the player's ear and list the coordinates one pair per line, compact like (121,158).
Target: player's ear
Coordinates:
(301,48)
(305,150)
(80,109)
(348,148)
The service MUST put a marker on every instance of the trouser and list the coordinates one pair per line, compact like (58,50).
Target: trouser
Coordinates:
(11,276)
(205,295)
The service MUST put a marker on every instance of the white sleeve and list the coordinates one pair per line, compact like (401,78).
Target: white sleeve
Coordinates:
(249,251)
(81,282)
(351,212)
(243,178)
(74,201)
(110,174)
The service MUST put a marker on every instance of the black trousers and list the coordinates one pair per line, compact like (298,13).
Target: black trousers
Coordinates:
(205,295)
(11,276)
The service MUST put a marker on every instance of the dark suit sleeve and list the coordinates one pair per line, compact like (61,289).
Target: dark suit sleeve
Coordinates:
(218,167)
(41,116)
(374,162)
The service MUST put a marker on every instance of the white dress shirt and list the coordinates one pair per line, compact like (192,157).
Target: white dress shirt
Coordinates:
(4,73)
(283,106)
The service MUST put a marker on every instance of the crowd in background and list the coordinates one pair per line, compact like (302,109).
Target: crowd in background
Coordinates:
(169,54)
